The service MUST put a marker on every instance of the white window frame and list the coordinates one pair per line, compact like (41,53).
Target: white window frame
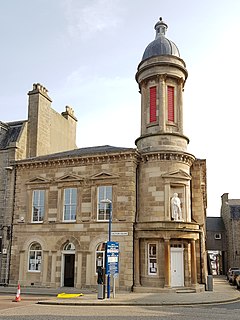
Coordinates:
(217,236)
(103,209)
(39,206)
(152,259)
(36,260)
(72,206)
(69,247)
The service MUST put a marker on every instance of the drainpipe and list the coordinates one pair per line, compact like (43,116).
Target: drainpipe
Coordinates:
(135,220)
(11,232)
(200,249)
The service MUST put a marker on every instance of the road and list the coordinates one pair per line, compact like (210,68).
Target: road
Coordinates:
(27,309)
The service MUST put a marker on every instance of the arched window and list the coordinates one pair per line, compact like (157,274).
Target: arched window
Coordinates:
(100,255)
(35,257)
(69,247)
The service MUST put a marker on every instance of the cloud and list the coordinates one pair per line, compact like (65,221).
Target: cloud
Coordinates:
(86,18)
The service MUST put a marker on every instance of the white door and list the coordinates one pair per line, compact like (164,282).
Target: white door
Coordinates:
(177,270)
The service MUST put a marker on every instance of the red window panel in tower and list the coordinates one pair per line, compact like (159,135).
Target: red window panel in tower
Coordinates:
(170,93)
(153,103)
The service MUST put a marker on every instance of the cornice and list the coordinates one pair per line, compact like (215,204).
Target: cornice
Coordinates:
(162,134)
(168,156)
(76,161)
(154,64)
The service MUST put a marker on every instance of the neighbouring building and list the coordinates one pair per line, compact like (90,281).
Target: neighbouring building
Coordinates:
(216,246)
(45,131)
(223,237)
(157,191)
(230,213)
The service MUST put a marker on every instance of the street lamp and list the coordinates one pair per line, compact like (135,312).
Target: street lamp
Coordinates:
(107,201)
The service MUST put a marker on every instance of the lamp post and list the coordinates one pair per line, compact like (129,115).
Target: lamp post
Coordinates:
(107,201)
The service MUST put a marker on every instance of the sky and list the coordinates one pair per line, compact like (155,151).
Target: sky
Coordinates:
(86,53)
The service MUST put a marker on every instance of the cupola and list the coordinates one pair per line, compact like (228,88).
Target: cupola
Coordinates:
(161,45)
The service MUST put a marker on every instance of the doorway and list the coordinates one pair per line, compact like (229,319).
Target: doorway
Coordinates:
(177,268)
(67,266)
(68,278)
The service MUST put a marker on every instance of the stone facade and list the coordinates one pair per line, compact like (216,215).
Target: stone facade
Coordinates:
(230,213)
(45,131)
(165,169)
(85,172)
(60,225)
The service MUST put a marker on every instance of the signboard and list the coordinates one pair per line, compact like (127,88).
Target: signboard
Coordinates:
(119,233)
(112,258)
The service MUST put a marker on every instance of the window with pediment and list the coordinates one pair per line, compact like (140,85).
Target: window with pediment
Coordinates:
(104,208)
(70,204)
(38,205)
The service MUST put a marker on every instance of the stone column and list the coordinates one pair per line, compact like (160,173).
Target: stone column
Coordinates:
(167,262)
(193,262)
(136,263)
(44,267)
(21,275)
(53,269)
(79,271)
(88,268)
(162,104)
(143,108)
(167,201)
(180,104)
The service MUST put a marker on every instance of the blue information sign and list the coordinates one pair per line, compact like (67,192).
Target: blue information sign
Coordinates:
(112,258)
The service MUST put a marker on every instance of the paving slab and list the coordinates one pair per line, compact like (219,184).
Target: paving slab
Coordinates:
(222,292)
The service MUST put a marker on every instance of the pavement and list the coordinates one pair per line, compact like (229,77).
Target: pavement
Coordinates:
(222,292)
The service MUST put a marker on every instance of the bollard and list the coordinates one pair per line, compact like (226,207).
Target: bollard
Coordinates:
(101,291)
(209,283)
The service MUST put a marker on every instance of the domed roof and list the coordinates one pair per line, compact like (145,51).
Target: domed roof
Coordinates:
(161,45)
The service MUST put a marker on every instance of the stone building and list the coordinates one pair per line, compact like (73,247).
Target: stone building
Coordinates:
(45,131)
(169,250)
(230,213)
(60,224)
(157,191)
(216,245)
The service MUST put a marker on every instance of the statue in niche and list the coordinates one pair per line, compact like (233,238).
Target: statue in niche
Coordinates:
(176,207)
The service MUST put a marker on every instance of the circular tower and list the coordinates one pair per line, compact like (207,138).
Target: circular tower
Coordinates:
(161,77)
(164,178)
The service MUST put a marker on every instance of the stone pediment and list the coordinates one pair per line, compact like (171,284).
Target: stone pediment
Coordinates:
(103,175)
(69,178)
(178,174)
(38,180)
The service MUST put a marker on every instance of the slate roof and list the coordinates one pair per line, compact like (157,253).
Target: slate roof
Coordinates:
(88,151)
(215,224)
(10,132)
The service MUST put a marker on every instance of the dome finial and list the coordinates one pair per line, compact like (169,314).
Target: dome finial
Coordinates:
(161,28)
